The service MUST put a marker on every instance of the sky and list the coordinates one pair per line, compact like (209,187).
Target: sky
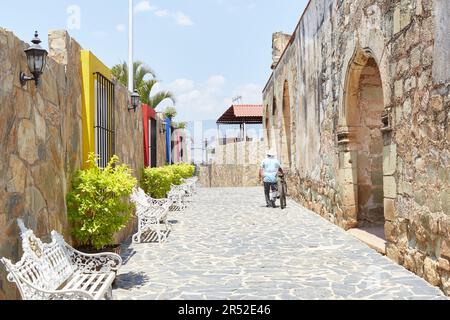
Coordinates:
(205,51)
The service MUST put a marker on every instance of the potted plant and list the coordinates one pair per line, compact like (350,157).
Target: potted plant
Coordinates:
(98,206)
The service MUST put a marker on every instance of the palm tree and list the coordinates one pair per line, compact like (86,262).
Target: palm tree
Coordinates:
(143,85)
(140,72)
(145,92)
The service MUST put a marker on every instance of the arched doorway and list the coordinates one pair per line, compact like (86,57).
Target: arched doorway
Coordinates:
(286,156)
(361,156)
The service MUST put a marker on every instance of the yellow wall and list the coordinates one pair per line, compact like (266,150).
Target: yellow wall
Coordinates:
(90,65)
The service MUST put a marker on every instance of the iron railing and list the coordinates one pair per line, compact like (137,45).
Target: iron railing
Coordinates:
(104,119)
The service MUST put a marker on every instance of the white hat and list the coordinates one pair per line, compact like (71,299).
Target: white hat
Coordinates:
(271,153)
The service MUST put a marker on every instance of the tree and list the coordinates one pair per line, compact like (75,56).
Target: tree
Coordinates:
(154,101)
(140,72)
(180,125)
(142,83)
(170,112)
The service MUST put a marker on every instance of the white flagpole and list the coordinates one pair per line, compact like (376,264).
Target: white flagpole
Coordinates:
(130,47)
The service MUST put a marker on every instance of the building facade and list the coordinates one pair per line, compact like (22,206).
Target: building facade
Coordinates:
(47,132)
(358,107)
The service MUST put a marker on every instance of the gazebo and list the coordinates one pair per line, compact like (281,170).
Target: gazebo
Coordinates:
(242,115)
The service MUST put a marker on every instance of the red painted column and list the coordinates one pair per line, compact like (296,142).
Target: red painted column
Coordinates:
(145,116)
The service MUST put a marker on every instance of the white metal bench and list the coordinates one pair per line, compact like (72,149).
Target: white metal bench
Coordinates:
(192,185)
(56,271)
(152,215)
(177,195)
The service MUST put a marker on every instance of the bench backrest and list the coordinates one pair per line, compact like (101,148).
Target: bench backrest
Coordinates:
(46,266)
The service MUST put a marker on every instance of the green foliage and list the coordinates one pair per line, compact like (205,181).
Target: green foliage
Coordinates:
(157,182)
(186,171)
(180,125)
(98,206)
(170,112)
(144,81)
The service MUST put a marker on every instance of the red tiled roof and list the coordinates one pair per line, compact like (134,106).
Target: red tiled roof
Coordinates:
(248,110)
(244,113)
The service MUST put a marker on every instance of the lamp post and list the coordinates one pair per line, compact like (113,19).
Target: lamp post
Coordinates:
(36,60)
(135,101)
(130,47)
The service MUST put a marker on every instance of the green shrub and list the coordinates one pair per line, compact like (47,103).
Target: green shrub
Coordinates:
(177,175)
(157,182)
(184,170)
(98,206)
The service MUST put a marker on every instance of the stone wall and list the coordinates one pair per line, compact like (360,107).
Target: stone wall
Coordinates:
(41,142)
(235,165)
(361,95)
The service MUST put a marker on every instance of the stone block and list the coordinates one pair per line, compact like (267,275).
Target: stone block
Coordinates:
(348,176)
(409,263)
(393,253)
(390,233)
(436,103)
(397,19)
(430,272)
(27,141)
(398,88)
(389,209)
(390,159)
(346,160)
(445,200)
(390,187)
(441,54)
(41,129)
(17,173)
(410,84)
(444,264)
(445,248)
(349,195)
(415,57)
(34,200)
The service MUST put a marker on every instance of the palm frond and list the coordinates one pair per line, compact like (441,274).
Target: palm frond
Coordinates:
(160,97)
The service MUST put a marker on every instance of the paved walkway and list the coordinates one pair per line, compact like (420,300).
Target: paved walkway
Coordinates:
(228,246)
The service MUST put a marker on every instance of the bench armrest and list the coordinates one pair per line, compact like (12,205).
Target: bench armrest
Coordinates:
(90,263)
(160,202)
(94,263)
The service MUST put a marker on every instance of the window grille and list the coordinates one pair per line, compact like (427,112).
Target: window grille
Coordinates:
(104,119)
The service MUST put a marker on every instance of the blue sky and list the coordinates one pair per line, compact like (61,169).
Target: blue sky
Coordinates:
(205,51)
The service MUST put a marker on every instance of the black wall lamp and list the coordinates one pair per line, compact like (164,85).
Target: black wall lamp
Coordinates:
(135,101)
(36,60)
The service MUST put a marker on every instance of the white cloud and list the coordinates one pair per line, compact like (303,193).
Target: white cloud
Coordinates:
(120,27)
(180,18)
(144,6)
(182,85)
(251,93)
(215,82)
(162,13)
(207,100)
(183,20)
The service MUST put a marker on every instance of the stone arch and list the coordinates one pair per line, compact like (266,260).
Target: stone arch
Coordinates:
(286,135)
(360,139)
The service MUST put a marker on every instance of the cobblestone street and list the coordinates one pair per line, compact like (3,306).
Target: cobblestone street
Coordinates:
(228,245)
